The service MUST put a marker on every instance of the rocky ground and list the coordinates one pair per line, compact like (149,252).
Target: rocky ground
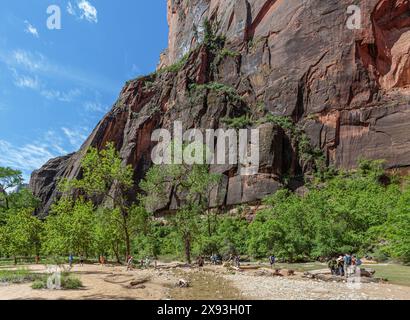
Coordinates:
(278,288)
(114,283)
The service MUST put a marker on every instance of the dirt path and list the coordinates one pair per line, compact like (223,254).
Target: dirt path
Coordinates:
(100,283)
(112,283)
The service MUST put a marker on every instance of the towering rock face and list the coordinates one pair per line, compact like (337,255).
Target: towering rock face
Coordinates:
(349,89)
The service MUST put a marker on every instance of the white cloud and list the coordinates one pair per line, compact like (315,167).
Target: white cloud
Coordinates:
(89,12)
(34,155)
(70,9)
(38,64)
(26,158)
(33,83)
(76,137)
(86,11)
(62,96)
(26,82)
(94,107)
(26,60)
(31,29)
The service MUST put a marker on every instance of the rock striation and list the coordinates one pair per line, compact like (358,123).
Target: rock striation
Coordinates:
(347,89)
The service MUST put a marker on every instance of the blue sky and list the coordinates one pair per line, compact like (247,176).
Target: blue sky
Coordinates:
(55,85)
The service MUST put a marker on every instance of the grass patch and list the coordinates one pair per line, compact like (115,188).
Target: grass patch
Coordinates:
(394,273)
(17,276)
(68,282)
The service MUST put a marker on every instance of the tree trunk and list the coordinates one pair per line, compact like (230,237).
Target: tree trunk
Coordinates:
(127,238)
(187,241)
(209,225)
(116,253)
(15,260)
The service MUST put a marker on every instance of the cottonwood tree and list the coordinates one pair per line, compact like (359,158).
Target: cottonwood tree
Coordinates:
(9,179)
(105,176)
(20,236)
(190,186)
(69,228)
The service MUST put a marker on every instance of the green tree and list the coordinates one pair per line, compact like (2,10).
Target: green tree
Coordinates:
(9,179)
(393,238)
(190,186)
(69,228)
(105,176)
(332,218)
(20,236)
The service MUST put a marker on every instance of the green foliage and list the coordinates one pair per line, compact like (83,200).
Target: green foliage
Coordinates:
(191,185)
(71,283)
(68,282)
(219,88)
(102,171)
(225,52)
(69,228)
(311,158)
(393,237)
(177,66)
(17,276)
(39,285)
(239,122)
(212,40)
(333,219)
(20,233)
(9,179)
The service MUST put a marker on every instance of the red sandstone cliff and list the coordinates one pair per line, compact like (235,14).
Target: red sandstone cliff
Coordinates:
(348,89)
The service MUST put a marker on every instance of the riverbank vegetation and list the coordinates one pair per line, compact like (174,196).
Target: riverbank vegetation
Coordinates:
(365,211)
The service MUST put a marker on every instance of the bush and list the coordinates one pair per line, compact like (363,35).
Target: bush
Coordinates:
(39,284)
(238,123)
(71,283)
(68,282)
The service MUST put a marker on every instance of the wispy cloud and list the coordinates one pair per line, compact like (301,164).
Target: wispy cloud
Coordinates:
(62,96)
(30,29)
(38,64)
(94,107)
(23,81)
(28,157)
(34,155)
(76,136)
(85,11)
(27,60)
(33,83)
(71,9)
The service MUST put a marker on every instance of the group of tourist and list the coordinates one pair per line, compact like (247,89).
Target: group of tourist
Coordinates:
(71,260)
(344,265)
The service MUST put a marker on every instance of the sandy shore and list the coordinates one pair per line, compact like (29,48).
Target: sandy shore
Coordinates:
(113,283)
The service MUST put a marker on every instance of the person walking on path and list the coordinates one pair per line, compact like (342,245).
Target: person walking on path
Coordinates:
(129,263)
(70,260)
(81,260)
(272,261)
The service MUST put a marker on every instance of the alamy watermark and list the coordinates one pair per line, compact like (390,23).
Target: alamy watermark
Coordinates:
(354,21)
(54,18)
(219,147)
